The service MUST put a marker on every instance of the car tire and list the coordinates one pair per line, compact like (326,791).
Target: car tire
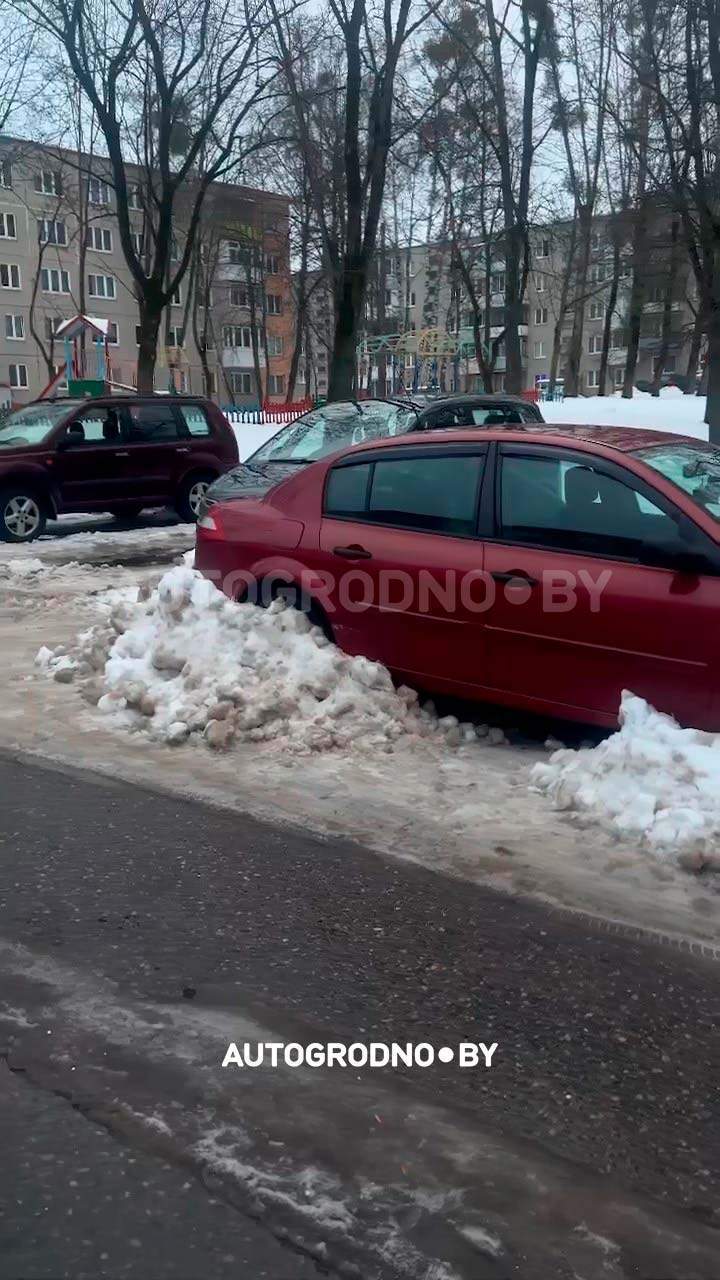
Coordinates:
(23,514)
(130,512)
(314,612)
(190,495)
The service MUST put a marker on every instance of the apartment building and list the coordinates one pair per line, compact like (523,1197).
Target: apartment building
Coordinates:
(228,331)
(421,337)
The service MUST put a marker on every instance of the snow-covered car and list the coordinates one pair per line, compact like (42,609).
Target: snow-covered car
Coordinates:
(116,454)
(349,422)
(545,568)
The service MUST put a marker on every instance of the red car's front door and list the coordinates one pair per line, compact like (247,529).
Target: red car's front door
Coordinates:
(583,606)
(399,539)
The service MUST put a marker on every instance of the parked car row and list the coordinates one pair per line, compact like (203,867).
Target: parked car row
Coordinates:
(123,453)
(462,542)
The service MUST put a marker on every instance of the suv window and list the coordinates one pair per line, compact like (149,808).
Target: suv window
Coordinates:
(195,419)
(562,502)
(95,426)
(156,422)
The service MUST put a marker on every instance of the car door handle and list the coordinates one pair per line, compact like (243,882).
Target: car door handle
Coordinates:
(183,450)
(125,454)
(515,574)
(353,552)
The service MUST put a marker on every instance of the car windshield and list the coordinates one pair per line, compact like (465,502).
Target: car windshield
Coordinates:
(33,424)
(694,468)
(324,430)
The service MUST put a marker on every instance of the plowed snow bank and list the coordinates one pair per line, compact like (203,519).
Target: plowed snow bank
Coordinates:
(188,661)
(651,781)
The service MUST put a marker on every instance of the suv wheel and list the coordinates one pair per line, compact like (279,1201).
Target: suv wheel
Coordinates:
(22,515)
(190,496)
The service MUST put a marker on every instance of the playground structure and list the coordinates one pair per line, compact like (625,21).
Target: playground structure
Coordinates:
(426,359)
(83,337)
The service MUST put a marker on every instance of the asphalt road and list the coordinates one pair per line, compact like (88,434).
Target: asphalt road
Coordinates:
(605,1074)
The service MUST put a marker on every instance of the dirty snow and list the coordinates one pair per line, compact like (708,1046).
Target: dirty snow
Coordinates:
(651,781)
(186,661)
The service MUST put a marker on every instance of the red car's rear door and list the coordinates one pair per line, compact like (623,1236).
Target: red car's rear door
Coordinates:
(399,538)
(592,610)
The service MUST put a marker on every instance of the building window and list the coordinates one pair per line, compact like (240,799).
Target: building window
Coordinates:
(540,284)
(9,275)
(18,375)
(412,299)
(51,231)
(597,241)
(239,296)
(274,345)
(113,335)
(592,378)
(133,197)
(617,340)
(598,273)
(596,311)
(497,282)
(539,351)
(176,299)
(5,173)
(274,304)
(137,242)
(241,383)
(211,381)
(14,328)
(52,324)
(541,315)
(98,191)
(175,336)
(48,183)
(99,238)
(276,384)
(54,280)
(272,264)
(625,270)
(595,344)
(137,335)
(618,375)
(8,227)
(543,248)
(236,335)
(63,384)
(237,253)
(101,286)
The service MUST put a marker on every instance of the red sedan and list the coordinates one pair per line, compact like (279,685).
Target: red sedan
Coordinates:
(547,569)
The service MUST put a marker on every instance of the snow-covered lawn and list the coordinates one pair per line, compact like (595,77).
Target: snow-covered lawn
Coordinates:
(670,411)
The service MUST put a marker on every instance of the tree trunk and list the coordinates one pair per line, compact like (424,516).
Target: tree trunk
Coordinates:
(712,404)
(691,378)
(572,374)
(609,313)
(513,311)
(637,299)
(349,311)
(150,318)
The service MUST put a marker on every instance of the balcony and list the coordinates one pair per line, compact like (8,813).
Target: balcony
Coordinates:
(238,357)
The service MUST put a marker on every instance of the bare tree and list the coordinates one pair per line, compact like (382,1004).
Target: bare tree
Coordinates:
(172,84)
(366,51)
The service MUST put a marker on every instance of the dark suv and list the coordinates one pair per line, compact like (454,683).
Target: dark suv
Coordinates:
(116,454)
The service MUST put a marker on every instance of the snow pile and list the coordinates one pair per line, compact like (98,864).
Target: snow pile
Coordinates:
(651,781)
(186,661)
